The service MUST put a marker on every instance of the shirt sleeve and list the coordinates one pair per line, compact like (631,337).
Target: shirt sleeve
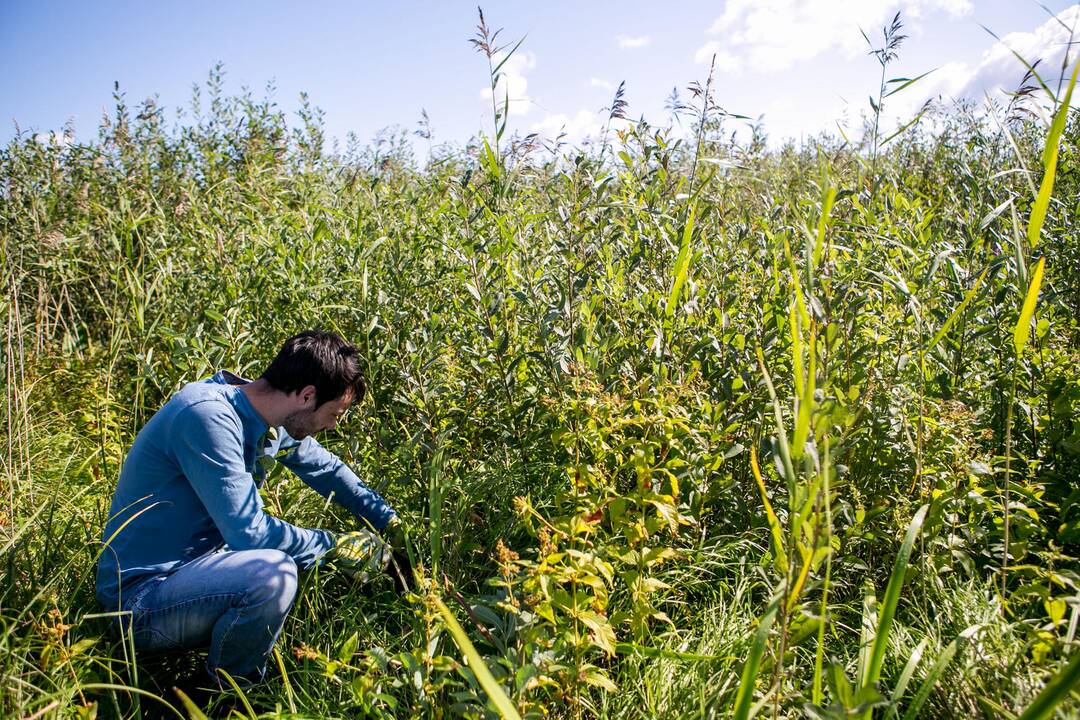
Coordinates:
(209,449)
(325,473)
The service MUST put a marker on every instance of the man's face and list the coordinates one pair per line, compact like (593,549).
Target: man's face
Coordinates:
(306,421)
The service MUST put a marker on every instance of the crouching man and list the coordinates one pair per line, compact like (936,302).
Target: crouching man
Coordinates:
(189,552)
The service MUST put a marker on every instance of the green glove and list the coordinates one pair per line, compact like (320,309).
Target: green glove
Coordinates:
(359,554)
(394,532)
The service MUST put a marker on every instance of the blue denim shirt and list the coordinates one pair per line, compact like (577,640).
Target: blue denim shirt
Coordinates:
(189,486)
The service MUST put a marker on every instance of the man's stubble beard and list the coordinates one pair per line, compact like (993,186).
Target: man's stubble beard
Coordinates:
(298,424)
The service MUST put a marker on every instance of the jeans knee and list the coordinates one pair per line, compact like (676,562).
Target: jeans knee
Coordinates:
(274,582)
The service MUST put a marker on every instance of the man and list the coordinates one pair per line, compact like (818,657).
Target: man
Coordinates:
(189,552)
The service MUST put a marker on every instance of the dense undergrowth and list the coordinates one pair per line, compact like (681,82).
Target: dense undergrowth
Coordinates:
(682,427)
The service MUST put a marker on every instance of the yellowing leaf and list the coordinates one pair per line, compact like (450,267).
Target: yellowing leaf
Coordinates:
(1022,331)
(774,523)
(1050,158)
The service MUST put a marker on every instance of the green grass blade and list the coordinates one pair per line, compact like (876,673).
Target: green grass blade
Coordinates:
(823,222)
(194,712)
(931,680)
(682,265)
(1018,249)
(800,303)
(435,506)
(907,82)
(1022,331)
(476,663)
(1056,690)
(663,653)
(1050,158)
(290,696)
(781,432)
(907,673)
(192,709)
(892,598)
(745,696)
(240,693)
(797,370)
(867,625)
(819,652)
(968,296)
(806,403)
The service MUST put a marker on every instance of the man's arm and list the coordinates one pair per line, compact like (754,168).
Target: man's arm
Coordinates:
(325,473)
(209,449)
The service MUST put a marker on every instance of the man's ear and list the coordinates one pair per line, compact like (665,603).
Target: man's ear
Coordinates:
(307,395)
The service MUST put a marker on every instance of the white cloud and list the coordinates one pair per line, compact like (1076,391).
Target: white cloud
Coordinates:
(512,82)
(998,70)
(600,83)
(787,118)
(584,125)
(55,138)
(773,35)
(627,42)
(725,61)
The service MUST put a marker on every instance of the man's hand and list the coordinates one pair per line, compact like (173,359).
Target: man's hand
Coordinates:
(359,554)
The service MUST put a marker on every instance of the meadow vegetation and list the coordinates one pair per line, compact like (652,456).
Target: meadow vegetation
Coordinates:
(681,424)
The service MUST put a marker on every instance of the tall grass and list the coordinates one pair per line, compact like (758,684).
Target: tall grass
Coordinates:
(663,436)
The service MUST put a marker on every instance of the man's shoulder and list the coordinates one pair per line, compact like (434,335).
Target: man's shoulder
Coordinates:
(204,399)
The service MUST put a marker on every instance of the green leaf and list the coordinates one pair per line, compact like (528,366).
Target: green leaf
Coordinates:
(957,312)
(632,649)
(745,695)
(1022,331)
(931,679)
(508,55)
(348,648)
(806,404)
(778,414)
(1050,158)
(907,82)
(891,599)
(192,709)
(1058,688)
(598,678)
(240,693)
(908,671)
(900,130)
(990,216)
(682,264)
(476,663)
(823,222)
(839,685)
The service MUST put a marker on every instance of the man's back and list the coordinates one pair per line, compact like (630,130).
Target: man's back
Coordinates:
(157,521)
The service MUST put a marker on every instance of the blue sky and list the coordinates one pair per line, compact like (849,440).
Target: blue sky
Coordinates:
(800,63)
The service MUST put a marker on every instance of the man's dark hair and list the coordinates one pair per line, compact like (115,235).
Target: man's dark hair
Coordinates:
(319,358)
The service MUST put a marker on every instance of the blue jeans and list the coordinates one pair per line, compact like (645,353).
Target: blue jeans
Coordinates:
(235,602)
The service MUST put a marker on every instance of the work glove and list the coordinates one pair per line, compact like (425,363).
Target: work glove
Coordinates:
(359,554)
(400,567)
